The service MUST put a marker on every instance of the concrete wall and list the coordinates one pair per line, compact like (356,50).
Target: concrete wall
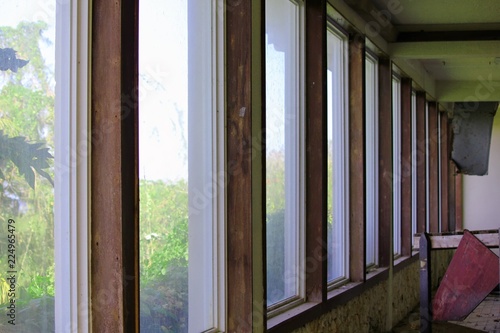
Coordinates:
(369,312)
(482,193)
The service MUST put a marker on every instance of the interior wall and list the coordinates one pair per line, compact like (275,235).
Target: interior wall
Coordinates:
(368,312)
(482,193)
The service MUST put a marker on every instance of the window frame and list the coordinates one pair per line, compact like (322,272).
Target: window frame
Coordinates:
(215,192)
(72,160)
(340,136)
(414,163)
(396,181)
(372,160)
(295,200)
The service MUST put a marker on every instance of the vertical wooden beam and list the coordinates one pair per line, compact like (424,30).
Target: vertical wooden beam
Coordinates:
(425,284)
(433,168)
(114,167)
(316,150)
(406,167)
(445,153)
(385,161)
(420,154)
(357,228)
(258,88)
(239,110)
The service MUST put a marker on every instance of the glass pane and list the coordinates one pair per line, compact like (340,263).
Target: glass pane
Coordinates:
(336,157)
(414,156)
(27,135)
(177,180)
(282,148)
(396,130)
(371,161)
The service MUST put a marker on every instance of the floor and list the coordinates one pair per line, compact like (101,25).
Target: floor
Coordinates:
(485,318)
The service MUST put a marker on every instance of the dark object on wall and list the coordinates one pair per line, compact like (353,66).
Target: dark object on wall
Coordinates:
(8,60)
(472,127)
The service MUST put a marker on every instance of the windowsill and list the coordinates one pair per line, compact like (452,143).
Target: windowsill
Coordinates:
(277,321)
(402,262)
(306,312)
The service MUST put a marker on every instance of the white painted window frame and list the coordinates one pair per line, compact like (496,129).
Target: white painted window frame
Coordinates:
(414,161)
(439,170)
(372,160)
(338,125)
(207,254)
(427,169)
(72,157)
(294,228)
(396,181)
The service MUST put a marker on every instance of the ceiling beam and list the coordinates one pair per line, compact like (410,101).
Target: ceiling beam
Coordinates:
(446,49)
(484,90)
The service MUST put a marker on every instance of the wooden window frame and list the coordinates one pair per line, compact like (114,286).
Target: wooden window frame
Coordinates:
(421,164)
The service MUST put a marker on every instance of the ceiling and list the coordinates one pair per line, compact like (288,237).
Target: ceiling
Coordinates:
(456,42)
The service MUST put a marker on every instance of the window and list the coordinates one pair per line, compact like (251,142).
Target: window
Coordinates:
(43,166)
(338,149)
(284,153)
(414,162)
(439,180)
(180,166)
(427,170)
(396,131)
(372,160)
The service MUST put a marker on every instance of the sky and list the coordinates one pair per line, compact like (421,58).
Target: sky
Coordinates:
(163,81)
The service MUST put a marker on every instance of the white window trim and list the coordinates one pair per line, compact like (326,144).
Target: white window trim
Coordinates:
(414,162)
(427,169)
(340,134)
(372,159)
(72,151)
(295,266)
(214,192)
(439,170)
(396,129)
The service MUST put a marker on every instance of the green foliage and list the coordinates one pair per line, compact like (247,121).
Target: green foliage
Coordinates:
(26,138)
(26,157)
(164,256)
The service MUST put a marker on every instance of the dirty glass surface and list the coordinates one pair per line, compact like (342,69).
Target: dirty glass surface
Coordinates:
(27,135)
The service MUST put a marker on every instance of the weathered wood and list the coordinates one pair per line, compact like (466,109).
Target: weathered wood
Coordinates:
(239,165)
(420,155)
(316,151)
(357,228)
(385,161)
(425,284)
(114,160)
(433,138)
(445,216)
(451,241)
(406,167)
(470,277)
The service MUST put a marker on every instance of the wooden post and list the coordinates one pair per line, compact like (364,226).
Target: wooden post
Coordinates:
(357,157)
(425,284)
(316,150)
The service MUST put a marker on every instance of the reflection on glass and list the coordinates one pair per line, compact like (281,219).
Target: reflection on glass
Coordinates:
(337,171)
(177,179)
(396,130)
(27,100)
(282,148)
(371,161)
